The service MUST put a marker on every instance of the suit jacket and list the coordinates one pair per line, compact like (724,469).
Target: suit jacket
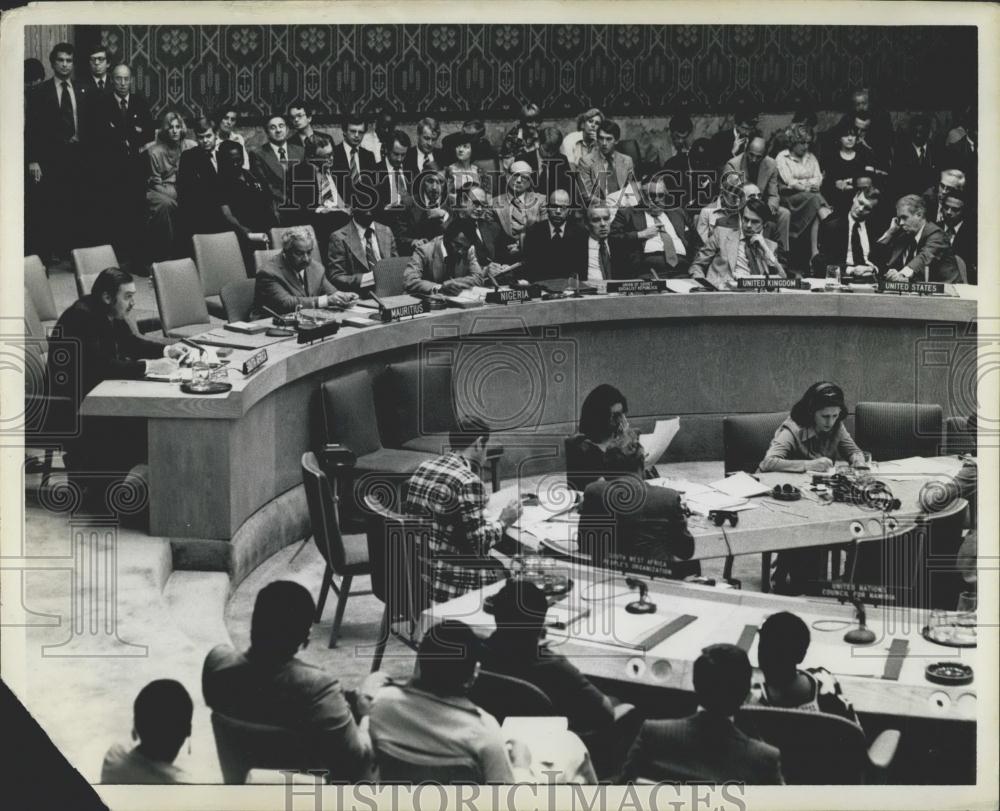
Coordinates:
(721,147)
(543,257)
(492,243)
(120,136)
(308,144)
(269,172)
(46,136)
(198,190)
(290,694)
(625,230)
(415,224)
(716,259)
(532,203)
(766,180)
(346,259)
(701,748)
(554,174)
(279,288)
(690,189)
(428,267)
(966,245)
(593,173)
(934,260)
(908,175)
(576,255)
(342,171)
(379,179)
(410,161)
(833,239)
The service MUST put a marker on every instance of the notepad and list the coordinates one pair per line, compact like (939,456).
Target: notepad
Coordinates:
(740,485)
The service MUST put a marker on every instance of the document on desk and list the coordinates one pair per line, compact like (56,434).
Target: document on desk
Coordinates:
(704,503)
(740,485)
(931,467)
(683,486)
(656,443)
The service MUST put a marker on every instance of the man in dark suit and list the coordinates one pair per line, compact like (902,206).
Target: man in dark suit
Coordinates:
(122,126)
(268,684)
(595,254)
(732,141)
(426,154)
(331,212)
(278,166)
(446,264)
(491,242)
(952,182)
(654,238)
(846,240)
(547,241)
(354,250)
(549,167)
(393,183)
(300,116)
(914,159)
(425,213)
(55,124)
(293,279)
(351,160)
(691,179)
(707,747)
(960,228)
(197,181)
(98,63)
(915,249)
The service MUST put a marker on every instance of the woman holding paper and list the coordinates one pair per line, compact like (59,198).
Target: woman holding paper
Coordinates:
(813,438)
(603,418)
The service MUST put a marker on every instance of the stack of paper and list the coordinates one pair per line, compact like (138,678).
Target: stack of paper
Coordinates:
(706,502)
(740,485)
(656,443)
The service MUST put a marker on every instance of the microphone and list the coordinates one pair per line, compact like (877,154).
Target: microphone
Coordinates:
(271,312)
(193,345)
(493,279)
(642,605)
(377,300)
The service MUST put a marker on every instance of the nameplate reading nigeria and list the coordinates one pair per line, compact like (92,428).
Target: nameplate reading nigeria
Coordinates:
(637,287)
(254,362)
(767,284)
(401,307)
(924,288)
(507,296)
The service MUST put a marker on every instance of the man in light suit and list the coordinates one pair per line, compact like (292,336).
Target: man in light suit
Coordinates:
(273,166)
(754,166)
(293,279)
(354,250)
(732,253)
(707,747)
(490,241)
(913,248)
(608,171)
(654,237)
(447,264)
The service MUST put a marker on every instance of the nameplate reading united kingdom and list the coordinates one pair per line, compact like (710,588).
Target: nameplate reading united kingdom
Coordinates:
(924,288)
(507,296)
(397,307)
(637,287)
(767,284)
(254,362)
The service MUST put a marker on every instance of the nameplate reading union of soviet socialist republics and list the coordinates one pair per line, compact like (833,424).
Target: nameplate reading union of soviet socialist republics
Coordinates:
(636,287)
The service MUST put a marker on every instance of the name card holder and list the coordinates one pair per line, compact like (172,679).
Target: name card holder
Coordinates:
(396,307)
(317,333)
(515,294)
(254,362)
(772,284)
(920,288)
(636,287)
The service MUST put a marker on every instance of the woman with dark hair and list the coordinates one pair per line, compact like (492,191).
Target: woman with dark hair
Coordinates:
(161,194)
(461,172)
(844,161)
(603,417)
(227,118)
(813,437)
(243,202)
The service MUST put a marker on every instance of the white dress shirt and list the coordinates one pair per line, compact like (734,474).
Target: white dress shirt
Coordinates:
(361,235)
(394,196)
(907,271)
(594,259)
(72,98)
(862,234)
(655,244)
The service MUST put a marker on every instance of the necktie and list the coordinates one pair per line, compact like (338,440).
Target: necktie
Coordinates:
(612,177)
(558,235)
(669,251)
(856,249)
(752,259)
(327,192)
(123,103)
(370,248)
(429,162)
(605,259)
(100,84)
(305,281)
(281,153)
(399,186)
(66,110)
(517,216)
(354,165)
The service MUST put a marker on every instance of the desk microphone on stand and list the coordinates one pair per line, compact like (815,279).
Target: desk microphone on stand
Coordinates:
(642,605)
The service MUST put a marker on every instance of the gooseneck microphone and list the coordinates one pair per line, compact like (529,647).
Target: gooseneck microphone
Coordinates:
(642,605)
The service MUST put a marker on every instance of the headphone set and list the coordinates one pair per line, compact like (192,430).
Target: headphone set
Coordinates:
(786,492)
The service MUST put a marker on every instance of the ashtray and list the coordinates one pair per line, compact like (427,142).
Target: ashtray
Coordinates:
(211,387)
(950,674)
(952,636)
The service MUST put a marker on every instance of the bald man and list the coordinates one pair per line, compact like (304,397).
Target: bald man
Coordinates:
(547,241)
(754,166)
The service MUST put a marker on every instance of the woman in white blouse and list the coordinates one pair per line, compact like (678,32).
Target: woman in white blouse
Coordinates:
(161,190)
(800,179)
(577,145)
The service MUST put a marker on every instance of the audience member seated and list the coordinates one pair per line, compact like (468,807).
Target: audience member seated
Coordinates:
(649,525)
(378,138)
(952,181)
(425,213)
(549,167)
(603,418)
(523,136)
(803,116)
(161,723)
(292,279)
(754,166)
(426,155)
(913,248)
(547,241)
(449,491)
(300,116)
(873,126)
(227,118)
(784,640)
(595,256)
(844,238)
(691,178)
(268,684)
(707,747)
(729,142)
(842,165)
(959,142)
(331,210)
(244,205)
(354,250)
(607,171)
(731,254)
(161,190)
(653,236)
(198,182)
(961,232)
(490,241)
(914,158)
(520,207)
(724,210)
(446,264)
(583,143)
(460,171)
(800,180)
(270,165)
(680,129)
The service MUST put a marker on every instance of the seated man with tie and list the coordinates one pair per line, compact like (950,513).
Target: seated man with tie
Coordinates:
(608,171)
(491,241)
(653,235)
(961,231)
(913,248)
(392,182)
(844,238)
(595,255)
(952,180)
(447,264)
(293,279)
(354,249)
(730,253)
(331,211)
(546,242)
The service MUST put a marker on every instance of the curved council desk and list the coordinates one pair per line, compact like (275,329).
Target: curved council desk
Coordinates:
(214,461)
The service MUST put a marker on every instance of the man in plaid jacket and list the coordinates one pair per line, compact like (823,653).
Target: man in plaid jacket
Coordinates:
(450,492)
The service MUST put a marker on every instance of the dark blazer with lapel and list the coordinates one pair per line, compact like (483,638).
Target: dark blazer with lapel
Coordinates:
(414,223)
(410,161)
(342,169)
(702,748)
(308,144)
(908,176)
(346,260)
(554,174)
(966,245)
(543,257)
(198,189)
(574,257)
(492,243)
(45,132)
(934,255)
(120,136)
(625,230)
(268,171)
(279,288)
(833,238)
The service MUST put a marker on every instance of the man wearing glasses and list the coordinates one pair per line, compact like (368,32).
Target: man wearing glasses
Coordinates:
(491,243)
(654,235)
(755,167)
(546,242)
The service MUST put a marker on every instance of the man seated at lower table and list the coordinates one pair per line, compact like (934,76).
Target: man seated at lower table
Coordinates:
(446,264)
(267,684)
(707,747)
(293,279)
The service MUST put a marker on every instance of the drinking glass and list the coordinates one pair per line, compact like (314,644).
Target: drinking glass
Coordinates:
(832,277)
(201,375)
(967,603)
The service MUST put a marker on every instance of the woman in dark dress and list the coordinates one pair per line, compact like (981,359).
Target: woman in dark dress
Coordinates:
(602,418)
(844,162)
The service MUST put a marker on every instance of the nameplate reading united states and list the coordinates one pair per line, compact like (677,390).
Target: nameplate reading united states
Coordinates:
(254,362)
(507,296)
(635,287)
(767,284)
(924,288)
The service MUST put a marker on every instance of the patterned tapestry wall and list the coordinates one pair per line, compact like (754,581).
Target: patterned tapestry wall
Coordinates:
(447,70)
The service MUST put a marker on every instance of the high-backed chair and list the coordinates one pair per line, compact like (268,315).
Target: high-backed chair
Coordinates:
(898,430)
(277,232)
(260,258)
(502,695)
(244,745)
(36,284)
(745,440)
(819,748)
(89,262)
(389,275)
(345,556)
(179,298)
(237,299)
(393,770)
(219,262)
(393,541)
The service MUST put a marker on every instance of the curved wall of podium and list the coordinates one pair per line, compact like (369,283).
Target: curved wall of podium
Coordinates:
(525,368)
